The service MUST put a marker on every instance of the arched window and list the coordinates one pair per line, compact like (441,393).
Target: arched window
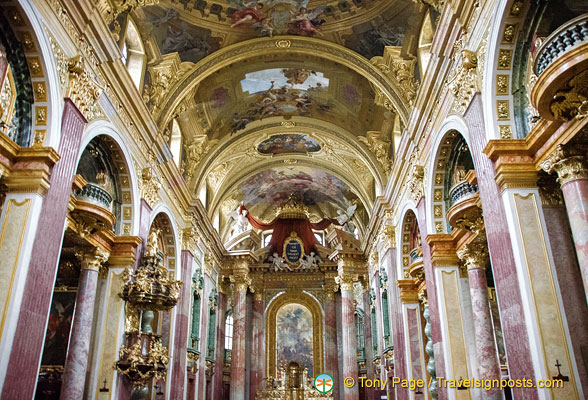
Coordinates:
(175,142)
(133,53)
(197,285)
(211,344)
(228,336)
(385,310)
(374,322)
(425,43)
(360,334)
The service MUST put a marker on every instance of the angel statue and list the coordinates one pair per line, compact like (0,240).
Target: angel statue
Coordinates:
(344,218)
(310,261)
(279,263)
(241,223)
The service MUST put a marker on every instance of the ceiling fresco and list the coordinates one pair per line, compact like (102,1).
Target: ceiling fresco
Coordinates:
(335,115)
(228,101)
(320,191)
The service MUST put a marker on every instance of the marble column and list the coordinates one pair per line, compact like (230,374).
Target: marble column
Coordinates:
(510,301)
(349,341)
(257,342)
(3,64)
(238,355)
(369,354)
(179,360)
(475,256)
(572,171)
(29,336)
(76,364)
(217,379)
(331,356)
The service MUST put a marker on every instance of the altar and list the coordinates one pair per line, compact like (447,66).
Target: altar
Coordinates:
(295,384)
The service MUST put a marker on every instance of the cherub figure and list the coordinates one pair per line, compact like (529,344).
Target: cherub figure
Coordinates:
(279,263)
(344,218)
(306,23)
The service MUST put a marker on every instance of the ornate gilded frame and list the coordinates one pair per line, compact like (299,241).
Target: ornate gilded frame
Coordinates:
(298,297)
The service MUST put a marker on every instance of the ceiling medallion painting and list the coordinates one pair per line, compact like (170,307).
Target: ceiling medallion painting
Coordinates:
(289,143)
(279,17)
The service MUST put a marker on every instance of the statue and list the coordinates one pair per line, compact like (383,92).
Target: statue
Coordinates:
(153,243)
(279,263)
(344,218)
(241,223)
(310,261)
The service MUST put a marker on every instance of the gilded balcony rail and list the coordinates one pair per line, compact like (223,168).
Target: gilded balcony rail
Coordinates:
(568,36)
(461,191)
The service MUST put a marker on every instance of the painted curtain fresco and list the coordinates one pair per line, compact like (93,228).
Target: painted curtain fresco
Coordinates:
(288,143)
(294,336)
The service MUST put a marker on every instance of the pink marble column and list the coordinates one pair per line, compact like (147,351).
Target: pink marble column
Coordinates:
(572,170)
(204,321)
(238,353)
(331,356)
(570,282)
(23,367)
(348,338)
(178,372)
(474,255)
(257,342)
(369,355)
(516,339)
(217,379)
(76,364)
(144,226)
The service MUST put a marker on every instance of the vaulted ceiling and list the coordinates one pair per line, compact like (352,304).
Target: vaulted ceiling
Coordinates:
(281,97)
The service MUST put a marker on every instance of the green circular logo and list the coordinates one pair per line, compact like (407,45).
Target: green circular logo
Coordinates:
(323,383)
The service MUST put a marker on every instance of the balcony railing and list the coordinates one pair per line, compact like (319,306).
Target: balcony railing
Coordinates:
(95,194)
(571,34)
(463,190)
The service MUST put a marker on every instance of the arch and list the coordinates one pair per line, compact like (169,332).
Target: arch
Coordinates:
(451,123)
(162,215)
(504,128)
(39,49)
(291,44)
(297,297)
(403,257)
(122,157)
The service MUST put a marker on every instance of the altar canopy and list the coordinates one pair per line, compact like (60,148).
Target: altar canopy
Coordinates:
(283,227)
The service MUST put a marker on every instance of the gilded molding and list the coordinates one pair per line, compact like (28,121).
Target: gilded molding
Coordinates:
(189,238)
(572,102)
(399,69)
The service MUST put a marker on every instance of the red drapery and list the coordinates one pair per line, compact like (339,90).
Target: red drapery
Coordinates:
(283,227)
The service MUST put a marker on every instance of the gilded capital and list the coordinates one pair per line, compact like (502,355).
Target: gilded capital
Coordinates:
(92,259)
(345,280)
(569,164)
(189,239)
(241,282)
(388,236)
(474,255)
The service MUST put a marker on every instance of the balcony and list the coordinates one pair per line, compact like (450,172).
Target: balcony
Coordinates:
(462,191)
(565,38)
(94,194)
(561,64)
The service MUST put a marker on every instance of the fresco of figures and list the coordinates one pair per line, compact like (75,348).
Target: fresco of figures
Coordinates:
(288,143)
(278,17)
(278,92)
(294,336)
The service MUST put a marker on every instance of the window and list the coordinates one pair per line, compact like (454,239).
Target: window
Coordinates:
(175,143)
(267,239)
(229,332)
(360,334)
(133,53)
